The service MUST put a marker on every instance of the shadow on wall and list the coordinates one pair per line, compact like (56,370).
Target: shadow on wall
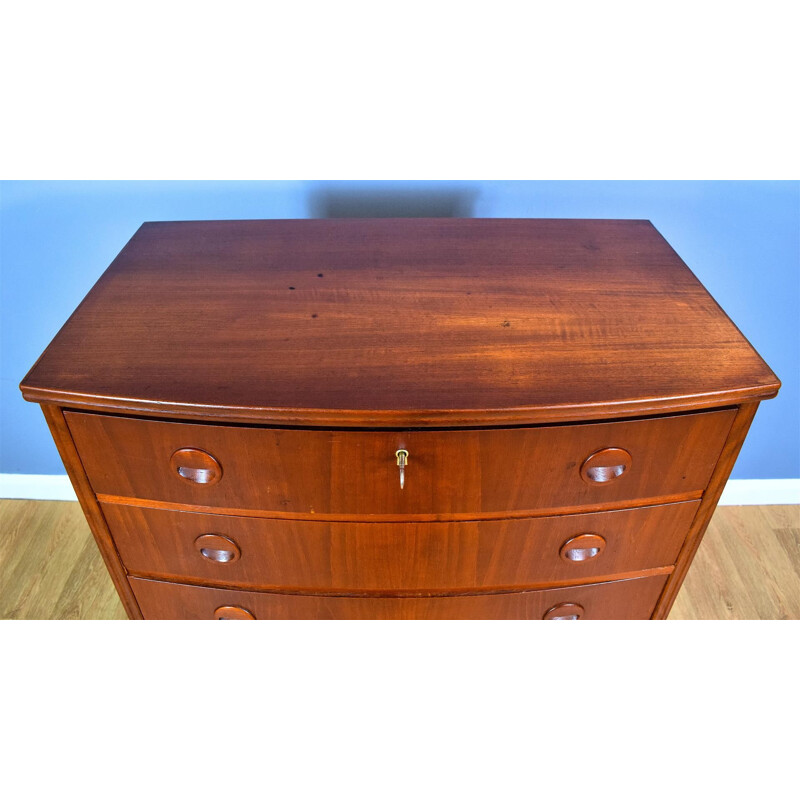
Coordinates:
(360,203)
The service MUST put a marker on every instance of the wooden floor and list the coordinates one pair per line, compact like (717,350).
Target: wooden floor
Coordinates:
(748,566)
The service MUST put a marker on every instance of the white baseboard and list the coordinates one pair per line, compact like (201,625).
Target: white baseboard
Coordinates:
(736,493)
(36,487)
(778,491)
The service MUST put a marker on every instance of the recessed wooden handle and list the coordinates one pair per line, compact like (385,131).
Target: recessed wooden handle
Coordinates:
(232,612)
(582,548)
(565,611)
(219,549)
(606,465)
(196,466)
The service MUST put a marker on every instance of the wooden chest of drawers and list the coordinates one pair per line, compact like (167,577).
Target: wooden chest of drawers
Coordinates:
(399,419)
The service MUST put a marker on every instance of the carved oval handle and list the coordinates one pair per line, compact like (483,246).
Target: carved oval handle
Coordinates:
(606,465)
(217,548)
(582,548)
(565,611)
(196,466)
(232,612)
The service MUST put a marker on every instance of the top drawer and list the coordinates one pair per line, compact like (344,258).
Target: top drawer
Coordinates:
(355,473)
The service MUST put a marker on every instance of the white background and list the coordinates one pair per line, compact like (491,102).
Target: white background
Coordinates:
(399,91)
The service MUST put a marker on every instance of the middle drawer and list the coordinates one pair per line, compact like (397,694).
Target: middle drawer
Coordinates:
(389,557)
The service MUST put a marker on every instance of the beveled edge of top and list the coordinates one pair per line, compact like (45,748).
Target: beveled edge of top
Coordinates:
(417,418)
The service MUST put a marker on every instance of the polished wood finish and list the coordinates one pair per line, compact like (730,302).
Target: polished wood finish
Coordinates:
(66,449)
(232,612)
(195,466)
(397,323)
(219,549)
(396,557)
(627,599)
(260,513)
(711,497)
(355,472)
(608,464)
(582,548)
(399,419)
(747,566)
(565,611)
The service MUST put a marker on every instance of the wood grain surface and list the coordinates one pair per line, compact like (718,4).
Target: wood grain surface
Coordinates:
(88,501)
(747,566)
(625,599)
(399,323)
(722,470)
(395,557)
(462,472)
(50,566)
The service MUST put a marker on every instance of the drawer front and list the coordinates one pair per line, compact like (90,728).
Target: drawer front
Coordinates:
(355,472)
(631,599)
(394,556)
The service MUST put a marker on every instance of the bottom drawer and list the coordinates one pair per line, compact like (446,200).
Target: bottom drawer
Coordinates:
(627,599)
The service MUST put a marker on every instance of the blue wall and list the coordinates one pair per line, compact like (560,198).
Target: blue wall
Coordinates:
(742,239)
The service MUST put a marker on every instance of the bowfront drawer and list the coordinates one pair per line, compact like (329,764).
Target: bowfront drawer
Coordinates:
(393,556)
(629,599)
(447,472)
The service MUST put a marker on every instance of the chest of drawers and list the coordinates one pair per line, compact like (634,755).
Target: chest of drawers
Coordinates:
(399,419)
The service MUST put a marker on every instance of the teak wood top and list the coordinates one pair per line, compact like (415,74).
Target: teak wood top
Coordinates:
(389,323)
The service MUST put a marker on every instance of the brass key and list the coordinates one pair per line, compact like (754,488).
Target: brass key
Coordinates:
(402,460)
